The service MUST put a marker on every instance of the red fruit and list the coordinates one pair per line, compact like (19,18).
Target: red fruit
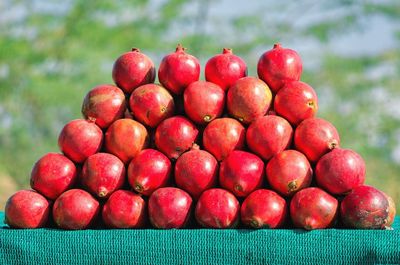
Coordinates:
(175,135)
(269,135)
(289,172)
(104,104)
(248,99)
(241,173)
(169,208)
(224,69)
(196,171)
(340,171)
(392,211)
(52,175)
(263,209)
(26,209)
(102,174)
(75,209)
(125,138)
(203,101)
(124,209)
(217,208)
(80,139)
(365,208)
(151,104)
(133,69)
(148,171)
(279,65)
(178,70)
(312,208)
(296,101)
(315,137)
(222,136)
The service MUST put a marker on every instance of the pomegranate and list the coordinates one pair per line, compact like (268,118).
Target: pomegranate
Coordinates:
(52,175)
(80,139)
(263,209)
(151,104)
(75,209)
(27,209)
(169,207)
(315,137)
(203,101)
(248,99)
(102,174)
(133,69)
(269,135)
(289,172)
(241,173)
(224,69)
(148,171)
(125,138)
(217,208)
(312,208)
(392,211)
(178,70)
(175,135)
(124,209)
(340,171)
(279,65)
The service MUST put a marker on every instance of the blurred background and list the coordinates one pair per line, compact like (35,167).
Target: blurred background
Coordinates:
(53,52)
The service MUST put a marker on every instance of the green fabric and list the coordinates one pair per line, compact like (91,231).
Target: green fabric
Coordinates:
(200,246)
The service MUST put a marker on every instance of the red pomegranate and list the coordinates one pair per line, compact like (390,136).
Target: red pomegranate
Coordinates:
(340,171)
(269,135)
(178,70)
(203,101)
(80,139)
(312,208)
(224,69)
(279,65)
(315,137)
(392,211)
(52,175)
(133,69)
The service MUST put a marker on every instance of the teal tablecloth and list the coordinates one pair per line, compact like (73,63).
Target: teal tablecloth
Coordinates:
(200,246)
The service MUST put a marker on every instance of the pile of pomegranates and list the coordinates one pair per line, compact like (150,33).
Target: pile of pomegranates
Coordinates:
(230,151)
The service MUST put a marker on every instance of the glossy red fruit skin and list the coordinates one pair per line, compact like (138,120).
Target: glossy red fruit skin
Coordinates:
(269,135)
(248,99)
(296,101)
(222,136)
(125,138)
(241,173)
(133,69)
(278,66)
(340,171)
(365,208)
(150,104)
(27,209)
(178,70)
(104,104)
(148,171)
(75,209)
(217,208)
(315,137)
(196,171)
(124,209)
(53,174)
(263,209)
(102,174)
(312,208)
(80,139)
(289,172)
(203,101)
(175,135)
(225,69)
(169,207)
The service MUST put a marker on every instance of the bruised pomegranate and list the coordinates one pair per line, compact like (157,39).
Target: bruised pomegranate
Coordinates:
(392,211)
